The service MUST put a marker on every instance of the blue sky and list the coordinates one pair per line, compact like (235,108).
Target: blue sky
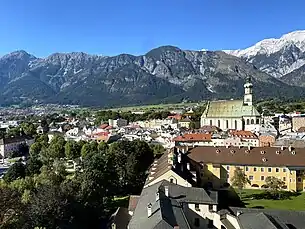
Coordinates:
(110,27)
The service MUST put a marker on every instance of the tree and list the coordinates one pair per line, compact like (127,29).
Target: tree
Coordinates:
(11,208)
(102,147)
(158,149)
(35,148)
(72,150)
(239,179)
(17,170)
(33,166)
(275,185)
(85,150)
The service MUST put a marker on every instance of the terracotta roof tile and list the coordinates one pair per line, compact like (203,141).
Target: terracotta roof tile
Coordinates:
(243,134)
(194,137)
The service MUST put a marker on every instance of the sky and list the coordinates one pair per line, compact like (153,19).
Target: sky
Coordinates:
(111,27)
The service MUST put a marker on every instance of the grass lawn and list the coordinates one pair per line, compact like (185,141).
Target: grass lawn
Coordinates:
(256,199)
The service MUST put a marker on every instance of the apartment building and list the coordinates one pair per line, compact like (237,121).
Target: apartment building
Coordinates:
(219,163)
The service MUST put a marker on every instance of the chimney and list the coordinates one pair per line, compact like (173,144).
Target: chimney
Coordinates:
(290,148)
(238,213)
(183,150)
(149,209)
(249,147)
(176,227)
(179,157)
(157,195)
(188,166)
(282,148)
(166,190)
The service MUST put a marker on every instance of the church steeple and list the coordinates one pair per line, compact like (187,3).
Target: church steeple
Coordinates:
(248,97)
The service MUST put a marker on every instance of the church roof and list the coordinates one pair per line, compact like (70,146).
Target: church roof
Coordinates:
(228,109)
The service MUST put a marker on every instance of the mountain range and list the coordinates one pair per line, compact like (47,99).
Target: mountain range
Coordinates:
(165,74)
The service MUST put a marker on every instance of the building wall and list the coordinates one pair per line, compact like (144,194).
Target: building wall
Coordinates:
(220,175)
(205,212)
(168,176)
(2,150)
(297,122)
(266,140)
(223,123)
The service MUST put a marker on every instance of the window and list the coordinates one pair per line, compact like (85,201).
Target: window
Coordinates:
(254,169)
(235,124)
(262,178)
(171,180)
(269,170)
(247,168)
(113,226)
(284,178)
(197,222)
(252,121)
(248,122)
(257,121)
(210,224)
(284,170)
(250,177)
(277,170)
(218,123)
(197,207)
(228,175)
(228,167)
(211,123)
(227,124)
(210,207)
(262,169)
(299,179)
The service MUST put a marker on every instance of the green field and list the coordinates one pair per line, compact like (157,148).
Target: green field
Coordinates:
(257,199)
(159,107)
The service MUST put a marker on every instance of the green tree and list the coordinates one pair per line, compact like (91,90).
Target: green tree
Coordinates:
(274,185)
(11,208)
(35,148)
(239,179)
(17,170)
(86,149)
(158,150)
(102,147)
(56,150)
(72,150)
(33,166)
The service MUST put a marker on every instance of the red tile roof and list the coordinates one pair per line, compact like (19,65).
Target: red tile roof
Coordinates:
(243,134)
(176,116)
(103,126)
(195,137)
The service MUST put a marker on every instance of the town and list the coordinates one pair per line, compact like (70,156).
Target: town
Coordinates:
(192,161)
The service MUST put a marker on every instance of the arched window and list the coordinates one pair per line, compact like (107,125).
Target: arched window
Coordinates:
(211,122)
(252,121)
(235,124)
(248,122)
(227,124)
(218,123)
(257,121)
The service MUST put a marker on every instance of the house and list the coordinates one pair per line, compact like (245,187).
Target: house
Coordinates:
(172,168)
(298,122)
(12,144)
(167,205)
(267,139)
(190,139)
(118,122)
(185,123)
(219,163)
(233,114)
(245,136)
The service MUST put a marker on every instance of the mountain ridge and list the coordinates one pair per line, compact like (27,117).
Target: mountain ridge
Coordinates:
(164,74)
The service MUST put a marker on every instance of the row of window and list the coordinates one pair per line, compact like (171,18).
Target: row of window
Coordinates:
(262,169)
(248,122)
(251,178)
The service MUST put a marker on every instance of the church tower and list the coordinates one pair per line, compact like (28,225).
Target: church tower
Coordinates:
(248,97)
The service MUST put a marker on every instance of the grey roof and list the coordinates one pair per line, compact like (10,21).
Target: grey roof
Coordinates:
(168,211)
(120,218)
(14,139)
(268,218)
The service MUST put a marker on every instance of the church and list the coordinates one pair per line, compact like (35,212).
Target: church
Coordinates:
(233,114)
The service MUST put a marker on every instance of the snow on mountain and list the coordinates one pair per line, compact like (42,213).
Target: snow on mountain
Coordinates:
(272,45)
(276,57)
